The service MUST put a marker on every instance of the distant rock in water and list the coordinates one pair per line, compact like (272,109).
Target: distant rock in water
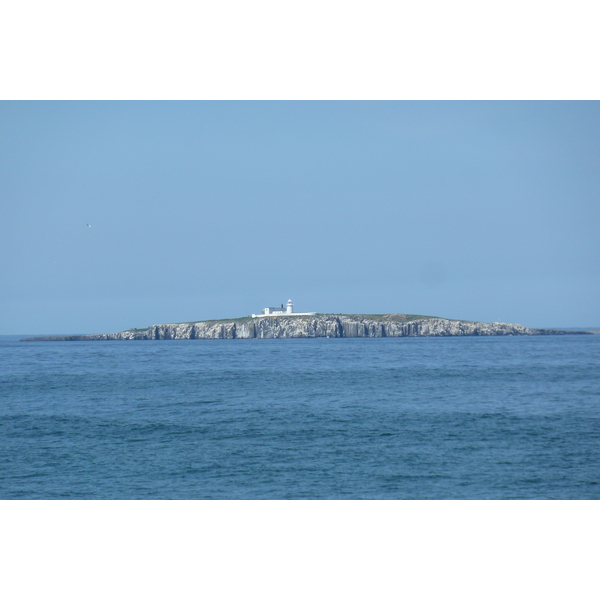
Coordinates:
(317,326)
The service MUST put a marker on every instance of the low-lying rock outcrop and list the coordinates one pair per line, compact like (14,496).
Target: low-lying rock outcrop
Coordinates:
(326,325)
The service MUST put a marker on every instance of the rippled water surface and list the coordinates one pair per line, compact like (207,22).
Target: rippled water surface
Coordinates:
(497,417)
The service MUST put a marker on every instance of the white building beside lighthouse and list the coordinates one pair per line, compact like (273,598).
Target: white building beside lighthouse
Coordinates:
(271,311)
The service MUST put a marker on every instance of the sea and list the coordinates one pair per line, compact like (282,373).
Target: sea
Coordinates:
(357,418)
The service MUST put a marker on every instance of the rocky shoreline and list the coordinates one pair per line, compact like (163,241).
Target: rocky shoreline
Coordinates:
(317,326)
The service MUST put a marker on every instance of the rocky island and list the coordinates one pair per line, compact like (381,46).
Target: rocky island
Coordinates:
(312,325)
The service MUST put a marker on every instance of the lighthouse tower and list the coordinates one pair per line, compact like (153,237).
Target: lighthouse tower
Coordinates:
(290,307)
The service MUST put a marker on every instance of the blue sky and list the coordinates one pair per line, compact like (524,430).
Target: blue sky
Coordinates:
(199,210)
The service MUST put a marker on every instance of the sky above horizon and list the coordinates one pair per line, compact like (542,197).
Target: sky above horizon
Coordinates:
(204,210)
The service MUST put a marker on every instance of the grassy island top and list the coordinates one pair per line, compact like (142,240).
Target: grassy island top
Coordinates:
(398,317)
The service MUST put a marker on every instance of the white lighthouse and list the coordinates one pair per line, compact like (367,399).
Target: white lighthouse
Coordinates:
(274,311)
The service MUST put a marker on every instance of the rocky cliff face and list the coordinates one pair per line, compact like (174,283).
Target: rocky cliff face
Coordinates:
(313,327)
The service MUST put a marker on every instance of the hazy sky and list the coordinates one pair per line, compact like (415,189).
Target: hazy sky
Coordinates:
(199,210)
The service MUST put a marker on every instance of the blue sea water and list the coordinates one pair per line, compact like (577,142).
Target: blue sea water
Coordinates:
(392,418)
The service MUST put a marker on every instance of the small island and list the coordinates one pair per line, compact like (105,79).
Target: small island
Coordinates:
(281,323)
